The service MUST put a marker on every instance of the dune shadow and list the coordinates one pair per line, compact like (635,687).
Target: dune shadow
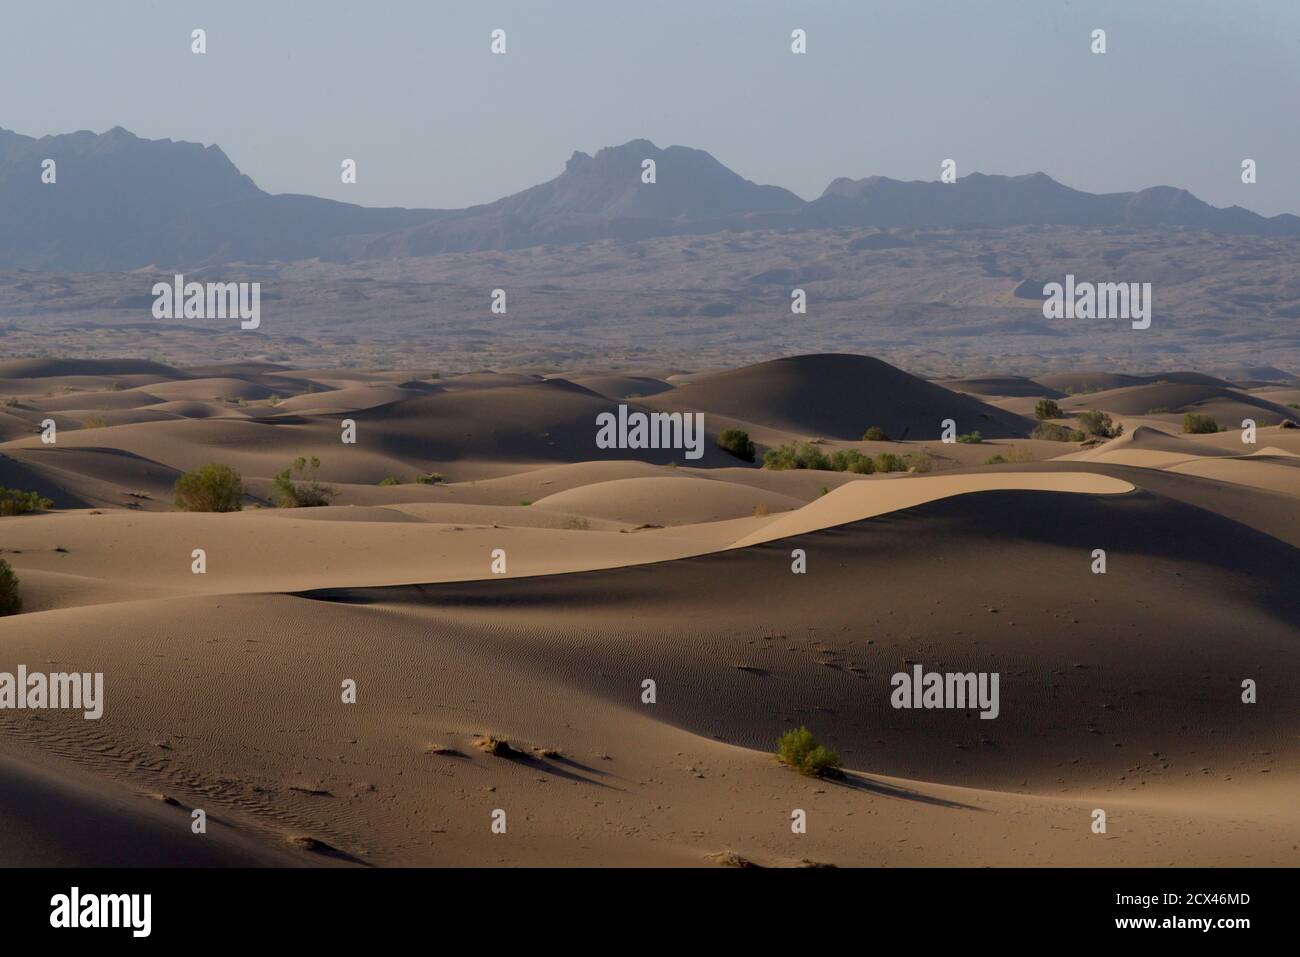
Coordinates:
(859,782)
(549,766)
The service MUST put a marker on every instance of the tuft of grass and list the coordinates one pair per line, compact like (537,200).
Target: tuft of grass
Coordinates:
(497,747)
(433,478)
(390,480)
(800,750)
(875,434)
(970,438)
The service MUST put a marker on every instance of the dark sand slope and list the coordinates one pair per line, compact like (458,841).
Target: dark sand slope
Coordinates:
(51,820)
(839,396)
(1132,675)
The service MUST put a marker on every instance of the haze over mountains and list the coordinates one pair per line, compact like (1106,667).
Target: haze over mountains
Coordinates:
(121,202)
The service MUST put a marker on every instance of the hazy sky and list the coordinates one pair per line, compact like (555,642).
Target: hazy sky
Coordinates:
(410,90)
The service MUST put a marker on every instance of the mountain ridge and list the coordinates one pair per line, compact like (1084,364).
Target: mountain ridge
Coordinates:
(122,202)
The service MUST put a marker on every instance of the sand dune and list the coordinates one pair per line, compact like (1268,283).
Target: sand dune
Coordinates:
(1120,690)
(858,500)
(668,501)
(1148,448)
(1227,405)
(837,396)
(621,386)
(1007,386)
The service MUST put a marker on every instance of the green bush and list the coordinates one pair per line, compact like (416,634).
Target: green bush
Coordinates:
(875,434)
(1099,423)
(14,502)
(10,603)
(805,455)
(433,478)
(1157,410)
(851,460)
(802,455)
(391,480)
(1056,433)
(1047,409)
(800,750)
(970,438)
(306,491)
(1198,424)
(737,442)
(998,459)
(889,462)
(213,488)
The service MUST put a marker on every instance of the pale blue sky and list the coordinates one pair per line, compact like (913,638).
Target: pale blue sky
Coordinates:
(410,90)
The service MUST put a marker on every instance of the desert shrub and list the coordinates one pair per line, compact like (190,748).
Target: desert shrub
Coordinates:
(920,462)
(1047,409)
(575,523)
(760,509)
(1099,423)
(433,478)
(1056,433)
(390,480)
(851,460)
(799,749)
(1157,410)
(14,502)
(305,491)
(803,455)
(212,488)
(10,603)
(970,438)
(117,387)
(1012,454)
(94,422)
(12,402)
(737,442)
(1198,423)
(875,434)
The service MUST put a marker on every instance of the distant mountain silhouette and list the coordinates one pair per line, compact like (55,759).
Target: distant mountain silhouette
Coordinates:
(598,197)
(1034,199)
(122,202)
